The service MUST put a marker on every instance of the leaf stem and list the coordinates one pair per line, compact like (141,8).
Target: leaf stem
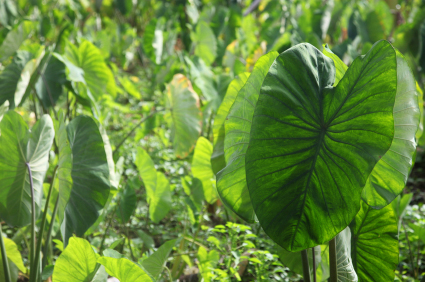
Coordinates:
(48,242)
(332,261)
(32,244)
(410,250)
(4,258)
(306,267)
(35,264)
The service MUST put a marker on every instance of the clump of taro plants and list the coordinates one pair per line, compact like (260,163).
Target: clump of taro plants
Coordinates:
(316,151)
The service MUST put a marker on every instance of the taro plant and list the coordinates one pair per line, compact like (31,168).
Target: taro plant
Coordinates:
(312,148)
(77,191)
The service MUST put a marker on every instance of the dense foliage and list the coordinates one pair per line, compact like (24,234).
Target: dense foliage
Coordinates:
(212,140)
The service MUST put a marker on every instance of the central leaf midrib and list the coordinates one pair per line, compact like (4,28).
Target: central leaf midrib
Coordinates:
(319,145)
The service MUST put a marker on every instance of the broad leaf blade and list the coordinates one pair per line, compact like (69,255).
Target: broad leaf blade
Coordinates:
(205,43)
(14,39)
(201,168)
(231,183)
(127,203)
(124,269)
(340,67)
(160,203)
(218,161)
(390,174)
(76,263)
(345,267)
(19,146)
(147,172)
(90,175)
(155,263)
(313,146)
(185,114)
(374,244)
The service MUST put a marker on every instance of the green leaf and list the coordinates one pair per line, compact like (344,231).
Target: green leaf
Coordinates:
(97,75)
(201,168)
(13,270)
(218,161)
(313,146)
(155,263)
(15,38)
(19,146)
(47,272)
(374,244)
(50,84)
(63,179)
(11,76)
(205,42)
(379,22)
(399,206)
(153,41)
(160,204)
(294,262)
(194,189)
(390,174)
(207,262)
(90,175)
(3,109)
(147,171)
(231,182)
(13,254)
(124,269)
(185,115)
(340,67)
(127,204)
(76,263)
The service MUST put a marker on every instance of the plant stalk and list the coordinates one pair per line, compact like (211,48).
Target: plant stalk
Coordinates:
(36,263)
(48,242)
(410,249)
(4,258)
(332,261)
(32,244)
(314,265)
(306,267)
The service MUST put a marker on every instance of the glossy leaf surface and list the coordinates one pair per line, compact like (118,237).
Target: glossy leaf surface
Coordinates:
(313,146)
(185,115)
(231,180)
(374,244)
(19,146)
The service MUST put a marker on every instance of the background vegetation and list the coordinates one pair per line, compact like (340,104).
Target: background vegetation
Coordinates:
(150,76)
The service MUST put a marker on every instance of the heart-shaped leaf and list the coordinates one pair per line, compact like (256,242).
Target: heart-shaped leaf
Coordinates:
(218,161)
(76,263)
(185,115)
(90,175)
(19,146)
(231,180)
(390,174)
(313,146)
(201,168)
(49,85)
(124,269)
(374,244)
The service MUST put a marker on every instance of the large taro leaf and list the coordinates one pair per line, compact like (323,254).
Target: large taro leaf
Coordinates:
(122,268)
(63,179)
(231,183)
(340,67)
(374,244)
(313,146)
(185,115)
(218,161)
(19,146)
(205,42)
(90,175)
(76,263)
(390,174)
(14,259)
(201,168)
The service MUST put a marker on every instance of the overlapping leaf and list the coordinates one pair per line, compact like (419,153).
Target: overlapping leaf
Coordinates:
(19,146)
(313,146)
(374,244)
(231,183)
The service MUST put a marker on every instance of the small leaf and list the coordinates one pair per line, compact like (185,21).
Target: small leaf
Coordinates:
(205,43)
(155,263)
